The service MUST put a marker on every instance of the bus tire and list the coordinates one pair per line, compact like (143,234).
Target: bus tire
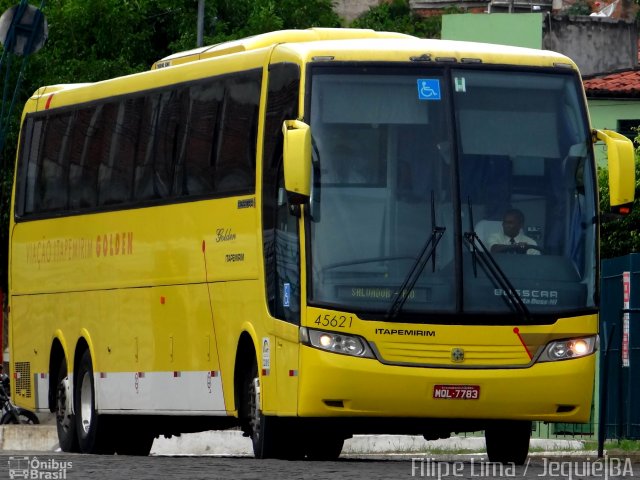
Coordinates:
(94,432)
(508,441)
(134,443)
(271,437)
(261,428)
(324,448)
(65,420)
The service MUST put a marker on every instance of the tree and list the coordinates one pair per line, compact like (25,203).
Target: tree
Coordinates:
(397,16)
(619,235)
(92,40)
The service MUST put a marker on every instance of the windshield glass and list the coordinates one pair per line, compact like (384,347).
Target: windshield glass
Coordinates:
(503,157)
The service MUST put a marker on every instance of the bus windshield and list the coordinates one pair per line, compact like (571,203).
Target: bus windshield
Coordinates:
(497,162)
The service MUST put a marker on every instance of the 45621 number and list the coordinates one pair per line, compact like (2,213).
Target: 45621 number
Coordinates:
(335,321)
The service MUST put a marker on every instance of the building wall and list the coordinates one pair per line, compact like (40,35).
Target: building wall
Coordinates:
(605,115)
(350,9)
(597,45)
(521,30)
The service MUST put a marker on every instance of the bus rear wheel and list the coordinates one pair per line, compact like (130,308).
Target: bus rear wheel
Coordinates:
(65,420)
(136,443)
(94,432)
(508,441)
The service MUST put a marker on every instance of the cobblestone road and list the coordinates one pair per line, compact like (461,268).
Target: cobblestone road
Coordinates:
(91,467)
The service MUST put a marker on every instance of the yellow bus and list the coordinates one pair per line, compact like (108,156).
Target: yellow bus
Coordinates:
(296,234)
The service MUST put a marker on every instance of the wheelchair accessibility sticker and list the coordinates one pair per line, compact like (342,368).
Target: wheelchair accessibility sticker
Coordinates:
(428,89)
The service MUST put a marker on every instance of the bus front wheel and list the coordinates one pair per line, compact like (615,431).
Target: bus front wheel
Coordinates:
(271,436)
(508,441)
(261,427)
(325,447)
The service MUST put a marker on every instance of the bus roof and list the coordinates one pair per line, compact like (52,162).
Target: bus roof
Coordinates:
(302,46)
(338,42)
(273,38)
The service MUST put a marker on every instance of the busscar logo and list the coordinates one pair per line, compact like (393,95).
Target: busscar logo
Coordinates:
(35,468)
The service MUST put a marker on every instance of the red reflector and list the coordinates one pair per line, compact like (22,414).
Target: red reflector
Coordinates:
(214,374)
(293,373)
(46,105)
(624,210)
(176,374)
(162,300)
(203,245)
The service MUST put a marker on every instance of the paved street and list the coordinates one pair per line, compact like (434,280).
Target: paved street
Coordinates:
(83,467)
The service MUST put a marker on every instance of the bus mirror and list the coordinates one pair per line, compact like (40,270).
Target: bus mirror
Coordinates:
(622,181)
(297,161)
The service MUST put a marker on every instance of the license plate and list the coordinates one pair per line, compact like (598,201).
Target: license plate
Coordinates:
(456,392)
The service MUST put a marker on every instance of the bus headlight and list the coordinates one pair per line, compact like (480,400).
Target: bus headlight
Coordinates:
(336,342)
(570,348)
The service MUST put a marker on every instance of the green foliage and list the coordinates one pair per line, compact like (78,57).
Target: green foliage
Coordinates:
(621,235)
(397,16)
(91,40)
(235,19)
(579,8)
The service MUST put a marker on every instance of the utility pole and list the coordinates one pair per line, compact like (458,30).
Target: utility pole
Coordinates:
(23,31)
(200,40)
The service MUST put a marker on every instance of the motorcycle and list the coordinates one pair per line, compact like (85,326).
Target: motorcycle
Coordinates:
(10,413)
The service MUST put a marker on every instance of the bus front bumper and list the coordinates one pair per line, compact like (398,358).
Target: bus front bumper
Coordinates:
(344,386)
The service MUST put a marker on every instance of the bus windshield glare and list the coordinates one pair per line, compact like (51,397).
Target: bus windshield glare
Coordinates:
(505,179)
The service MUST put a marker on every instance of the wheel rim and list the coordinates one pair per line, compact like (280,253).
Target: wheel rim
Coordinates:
(62,416)
(86,403)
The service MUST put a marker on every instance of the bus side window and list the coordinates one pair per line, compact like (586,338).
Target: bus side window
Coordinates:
(114,184)
(125,141)
(52,178)
(83,167)
(143,185)
(235,164)
(28,167)
(169,133)
(200,144)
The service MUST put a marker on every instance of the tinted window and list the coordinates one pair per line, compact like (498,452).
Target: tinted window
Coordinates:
(235,165)
(186,140)
(83,162)
(51,190)
(281,255)
(204,110)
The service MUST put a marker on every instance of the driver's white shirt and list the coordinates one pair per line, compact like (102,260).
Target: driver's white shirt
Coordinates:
(501,239)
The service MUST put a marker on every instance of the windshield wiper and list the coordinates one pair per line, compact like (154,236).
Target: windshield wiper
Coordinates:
(491,267)
(427,253)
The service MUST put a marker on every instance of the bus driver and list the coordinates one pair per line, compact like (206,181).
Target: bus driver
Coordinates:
(511,239)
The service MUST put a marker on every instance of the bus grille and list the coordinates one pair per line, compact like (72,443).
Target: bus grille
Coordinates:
(418,354)
(23,379)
